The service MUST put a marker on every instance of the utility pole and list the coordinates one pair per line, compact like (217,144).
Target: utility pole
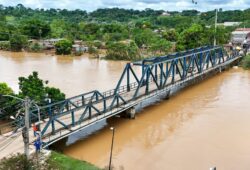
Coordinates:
(26,127)
(215,25)
(25,131)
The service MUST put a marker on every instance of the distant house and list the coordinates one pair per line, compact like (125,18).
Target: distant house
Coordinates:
(50,43)
(229,24)
(240,35)
(79,42)
(165,14)
(76,48)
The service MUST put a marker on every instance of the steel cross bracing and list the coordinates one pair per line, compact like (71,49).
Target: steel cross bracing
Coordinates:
(157,74)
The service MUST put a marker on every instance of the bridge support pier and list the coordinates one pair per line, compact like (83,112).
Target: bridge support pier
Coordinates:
(167,96)
(129,113)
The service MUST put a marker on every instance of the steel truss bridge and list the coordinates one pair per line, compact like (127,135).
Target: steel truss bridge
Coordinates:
(158,76)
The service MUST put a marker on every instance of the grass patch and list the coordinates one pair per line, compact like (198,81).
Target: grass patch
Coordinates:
(55,161)
(63,162)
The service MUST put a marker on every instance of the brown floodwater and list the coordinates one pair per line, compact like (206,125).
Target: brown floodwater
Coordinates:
(202,126)
(73,75)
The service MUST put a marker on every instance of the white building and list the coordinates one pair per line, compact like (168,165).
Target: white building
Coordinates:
(240,35)
(165,14)
(231,24)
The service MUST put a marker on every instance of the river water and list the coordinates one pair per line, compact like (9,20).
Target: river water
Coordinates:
(73,75)
(203,126)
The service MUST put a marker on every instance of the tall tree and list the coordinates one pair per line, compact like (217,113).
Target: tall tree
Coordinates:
(35,89)
(35,28)
(18,42)
(63,47)
(193,37)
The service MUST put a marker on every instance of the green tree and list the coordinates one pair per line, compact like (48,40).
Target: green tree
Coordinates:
(223,35)
(246,62)
(63,47)
(123,51)
(35,47)
(18,42)
(54,94)
(5,45)
(7,104)
(193,37)
(4,36)
(5,89)
(35,89)
(143,37)
(170,35)
(58,28)
(160,46)
(35,28)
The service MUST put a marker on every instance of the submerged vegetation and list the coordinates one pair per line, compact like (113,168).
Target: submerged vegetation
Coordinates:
(246,62)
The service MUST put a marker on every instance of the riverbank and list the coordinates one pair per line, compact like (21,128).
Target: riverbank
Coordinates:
(45,160)
(63,162)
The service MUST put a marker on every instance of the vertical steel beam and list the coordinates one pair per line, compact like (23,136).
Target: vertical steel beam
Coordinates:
(73,118)
(51,117)
(173,70)
(128,80)
(161,75)
(147,80)
(90,114)
(184,68)
(121,78)
(156,72)
(83,101)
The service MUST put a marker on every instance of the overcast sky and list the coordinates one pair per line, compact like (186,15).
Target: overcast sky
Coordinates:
(167,5)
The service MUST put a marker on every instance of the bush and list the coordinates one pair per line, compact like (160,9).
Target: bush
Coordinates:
(78,53)
(18,161)
(5,45)
(18,42)
(35,47)
(98,44)
(92,50)
(123,51)
(246,62)
(63,47)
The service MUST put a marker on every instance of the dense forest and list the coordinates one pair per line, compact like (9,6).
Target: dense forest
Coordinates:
(124,33)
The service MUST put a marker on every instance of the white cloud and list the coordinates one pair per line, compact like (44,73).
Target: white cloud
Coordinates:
(167,5)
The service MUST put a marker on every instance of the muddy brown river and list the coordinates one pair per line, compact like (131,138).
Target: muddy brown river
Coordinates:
(203,126)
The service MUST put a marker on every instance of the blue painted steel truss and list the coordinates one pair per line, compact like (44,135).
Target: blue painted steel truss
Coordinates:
(158,72)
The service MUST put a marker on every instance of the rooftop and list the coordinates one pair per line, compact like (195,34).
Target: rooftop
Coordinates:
(242,29)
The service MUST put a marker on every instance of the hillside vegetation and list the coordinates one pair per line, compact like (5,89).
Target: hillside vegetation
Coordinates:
(152,32)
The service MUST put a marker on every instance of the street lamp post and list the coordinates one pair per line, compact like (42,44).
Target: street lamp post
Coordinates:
(112,144)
